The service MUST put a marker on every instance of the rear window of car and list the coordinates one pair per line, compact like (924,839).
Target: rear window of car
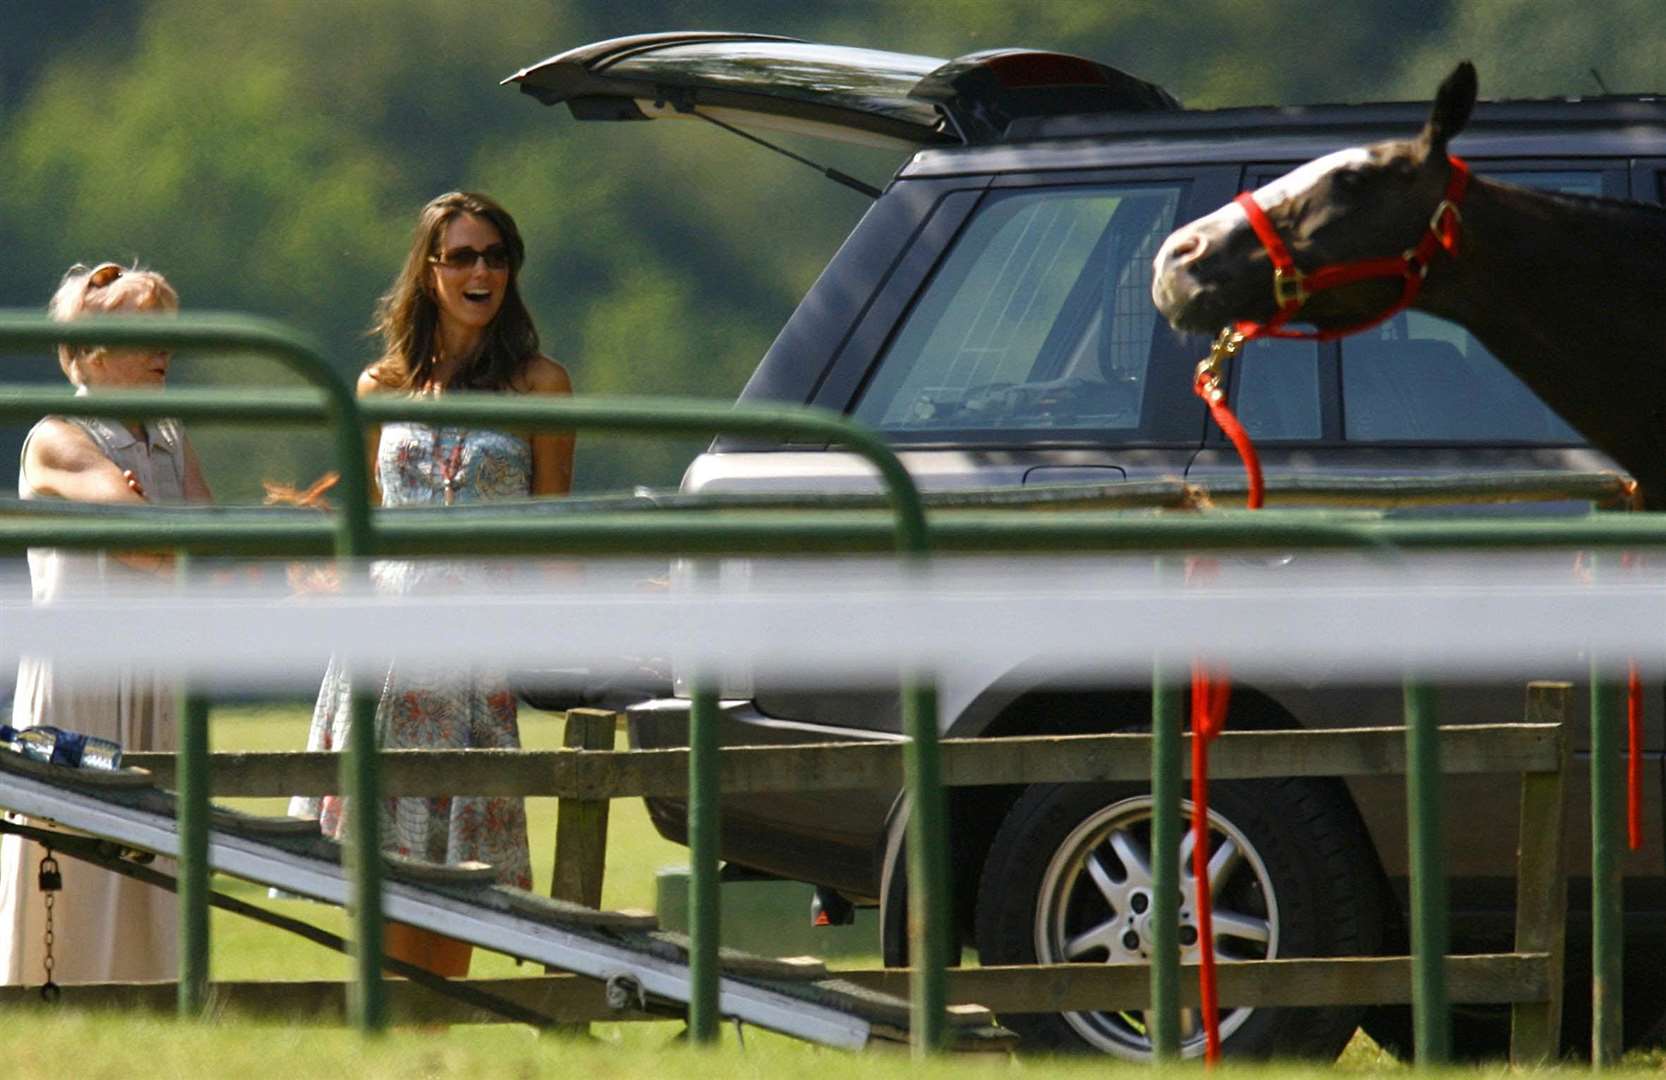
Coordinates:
(1039,318)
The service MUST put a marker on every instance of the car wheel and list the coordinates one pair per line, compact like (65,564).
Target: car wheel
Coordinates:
(1068,880)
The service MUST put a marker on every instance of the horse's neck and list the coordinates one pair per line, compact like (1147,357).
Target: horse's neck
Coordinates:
(1537,273)
(1567,293)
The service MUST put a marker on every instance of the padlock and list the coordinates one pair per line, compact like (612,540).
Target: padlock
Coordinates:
(51,878)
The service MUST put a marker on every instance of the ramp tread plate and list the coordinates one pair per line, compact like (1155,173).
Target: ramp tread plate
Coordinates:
(750,965)
(98,779)
(562,912)
(429,873)
(976,1040)
(260,825)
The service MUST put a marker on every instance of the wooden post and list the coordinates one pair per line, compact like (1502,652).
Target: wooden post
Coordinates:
(581,824)
(581,828)
(1541,885)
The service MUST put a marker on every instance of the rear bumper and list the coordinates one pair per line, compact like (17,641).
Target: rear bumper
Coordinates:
(829,837)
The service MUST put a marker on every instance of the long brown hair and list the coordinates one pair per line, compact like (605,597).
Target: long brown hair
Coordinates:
(407,318)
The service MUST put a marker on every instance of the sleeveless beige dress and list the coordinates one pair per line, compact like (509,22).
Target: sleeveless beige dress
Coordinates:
(106,928)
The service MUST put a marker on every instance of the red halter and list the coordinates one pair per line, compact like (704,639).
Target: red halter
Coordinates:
(1291,287)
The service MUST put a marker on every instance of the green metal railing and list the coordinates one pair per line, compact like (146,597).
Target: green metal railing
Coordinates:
(354,532)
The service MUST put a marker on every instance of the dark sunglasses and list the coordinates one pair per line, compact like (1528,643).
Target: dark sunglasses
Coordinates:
(464,258)
(103,274)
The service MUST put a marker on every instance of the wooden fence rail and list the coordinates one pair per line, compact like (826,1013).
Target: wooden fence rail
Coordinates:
(1489,979)
(609,774)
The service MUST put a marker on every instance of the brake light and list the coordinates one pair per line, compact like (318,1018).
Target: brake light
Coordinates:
(1019,70)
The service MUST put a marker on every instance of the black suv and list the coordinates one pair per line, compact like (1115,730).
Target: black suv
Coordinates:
(990,314)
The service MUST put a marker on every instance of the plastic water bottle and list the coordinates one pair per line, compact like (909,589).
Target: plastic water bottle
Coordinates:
(55,746)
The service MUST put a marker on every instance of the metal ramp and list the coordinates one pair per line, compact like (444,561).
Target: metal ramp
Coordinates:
(626,950)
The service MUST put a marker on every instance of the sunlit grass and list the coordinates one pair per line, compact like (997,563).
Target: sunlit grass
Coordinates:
(91,1046)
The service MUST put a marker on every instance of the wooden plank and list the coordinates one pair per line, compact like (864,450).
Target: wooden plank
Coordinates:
(591,774)
(1542,886)
(1500,978)
(1505,977)
(581,824)
(581,827)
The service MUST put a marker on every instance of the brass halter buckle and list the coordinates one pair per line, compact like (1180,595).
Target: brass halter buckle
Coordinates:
(1210,370)
(1289,287)
(1444,209)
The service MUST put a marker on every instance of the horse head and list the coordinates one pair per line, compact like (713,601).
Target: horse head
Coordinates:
(1364,205)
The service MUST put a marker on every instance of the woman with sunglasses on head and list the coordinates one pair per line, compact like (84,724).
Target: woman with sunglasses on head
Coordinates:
(106,928)
(453,320)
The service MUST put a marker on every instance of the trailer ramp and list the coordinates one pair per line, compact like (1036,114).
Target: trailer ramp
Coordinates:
(626,950)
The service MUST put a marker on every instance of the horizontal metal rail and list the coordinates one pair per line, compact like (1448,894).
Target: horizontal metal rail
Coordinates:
(761,533)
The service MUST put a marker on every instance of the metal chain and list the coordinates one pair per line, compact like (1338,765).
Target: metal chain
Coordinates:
(49,991)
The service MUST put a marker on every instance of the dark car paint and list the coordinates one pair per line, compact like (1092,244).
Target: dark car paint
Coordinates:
(830,345)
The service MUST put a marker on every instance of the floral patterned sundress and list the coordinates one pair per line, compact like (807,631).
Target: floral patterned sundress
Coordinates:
(464,707)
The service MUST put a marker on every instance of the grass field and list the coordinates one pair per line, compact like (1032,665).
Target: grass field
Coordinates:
(65,1043)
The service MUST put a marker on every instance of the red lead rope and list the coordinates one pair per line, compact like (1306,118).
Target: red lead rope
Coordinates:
(1634,757)
(1291,289)
(1211,690)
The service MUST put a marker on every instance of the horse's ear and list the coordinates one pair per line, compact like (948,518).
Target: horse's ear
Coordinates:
(1453,102)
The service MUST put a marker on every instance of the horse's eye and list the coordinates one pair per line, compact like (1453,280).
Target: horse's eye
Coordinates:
(1347,181)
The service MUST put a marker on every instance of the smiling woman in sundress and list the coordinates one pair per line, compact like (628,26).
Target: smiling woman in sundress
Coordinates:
(453,320)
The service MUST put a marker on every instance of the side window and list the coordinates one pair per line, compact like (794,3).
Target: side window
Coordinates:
(1040,318)
(1277,391)
(1417,378)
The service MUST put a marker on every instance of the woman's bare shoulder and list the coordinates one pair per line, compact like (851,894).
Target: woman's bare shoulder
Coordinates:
(370,382)
(542,375)
(58,444)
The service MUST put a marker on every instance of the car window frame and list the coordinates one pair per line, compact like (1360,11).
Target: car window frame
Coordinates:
(1648,180)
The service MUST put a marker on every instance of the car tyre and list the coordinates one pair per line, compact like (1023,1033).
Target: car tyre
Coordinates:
(1067,880)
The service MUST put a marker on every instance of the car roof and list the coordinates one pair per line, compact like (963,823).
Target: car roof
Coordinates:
(1611,126)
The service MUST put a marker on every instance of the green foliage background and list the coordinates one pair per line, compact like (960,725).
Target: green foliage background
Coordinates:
(269,155)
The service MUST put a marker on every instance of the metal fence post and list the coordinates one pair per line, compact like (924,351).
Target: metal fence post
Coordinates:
(192,785)
(705,915)
(1607,911)
(1432,1022)
(1167,716)
(930,912)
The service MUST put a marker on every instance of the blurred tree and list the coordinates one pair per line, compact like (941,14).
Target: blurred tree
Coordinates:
(1623,41)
